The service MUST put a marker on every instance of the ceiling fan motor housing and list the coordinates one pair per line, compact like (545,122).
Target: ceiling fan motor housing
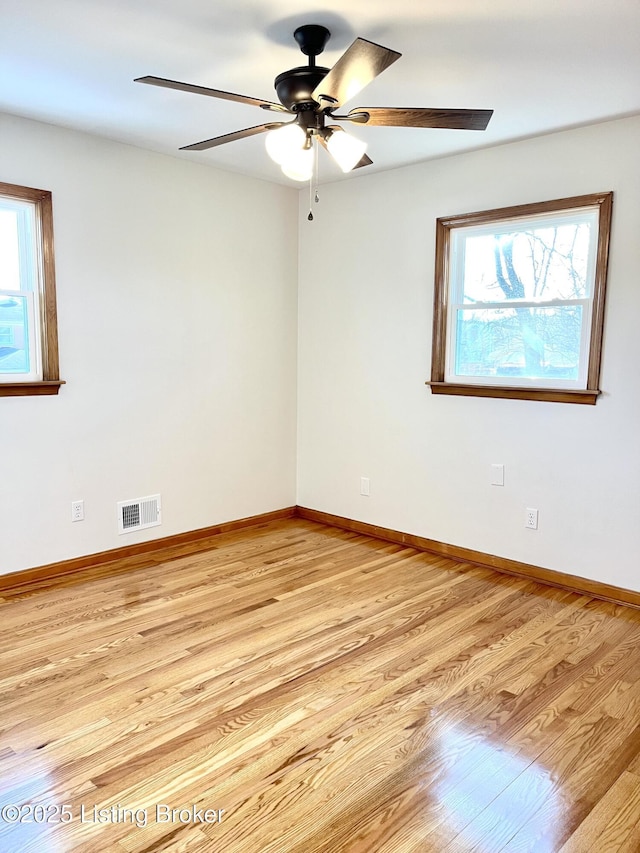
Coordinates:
(295,87)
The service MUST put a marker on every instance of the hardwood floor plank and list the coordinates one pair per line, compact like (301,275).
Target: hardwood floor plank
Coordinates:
(330,692)
(614,818)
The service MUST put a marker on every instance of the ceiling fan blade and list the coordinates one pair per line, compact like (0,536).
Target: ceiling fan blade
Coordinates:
(213,93)
(417,117)
(231,137)
(358,66)
(365,161)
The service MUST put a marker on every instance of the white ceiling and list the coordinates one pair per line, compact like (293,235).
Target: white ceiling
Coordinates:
(542,65)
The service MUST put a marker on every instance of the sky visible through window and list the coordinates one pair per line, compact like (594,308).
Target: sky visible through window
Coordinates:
(9,253)
(550,262)
(14,325)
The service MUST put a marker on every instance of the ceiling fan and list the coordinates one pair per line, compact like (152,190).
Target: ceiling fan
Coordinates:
(311,94)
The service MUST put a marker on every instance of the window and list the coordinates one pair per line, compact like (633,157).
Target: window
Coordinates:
(519,300)
(28,326)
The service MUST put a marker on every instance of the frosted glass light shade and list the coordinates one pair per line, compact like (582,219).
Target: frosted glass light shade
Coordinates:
(299,166)
(285,142)
(346,150)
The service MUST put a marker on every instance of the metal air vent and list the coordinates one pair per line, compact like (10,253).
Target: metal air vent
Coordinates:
(139,513)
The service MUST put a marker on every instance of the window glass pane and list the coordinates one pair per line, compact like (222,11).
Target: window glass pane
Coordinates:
(9,251)
(534,343)
(543,261)
(28,333)
(14,335)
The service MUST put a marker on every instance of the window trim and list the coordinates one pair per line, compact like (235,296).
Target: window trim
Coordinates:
(50,382)
(444,227)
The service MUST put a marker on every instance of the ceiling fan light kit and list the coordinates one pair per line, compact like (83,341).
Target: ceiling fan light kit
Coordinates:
(299,165)
(284,141)
(311,94)
(346,150)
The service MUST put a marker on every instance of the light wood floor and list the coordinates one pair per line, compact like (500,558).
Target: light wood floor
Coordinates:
(329,692)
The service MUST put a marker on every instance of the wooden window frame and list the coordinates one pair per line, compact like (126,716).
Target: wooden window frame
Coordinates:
(50,382)
(444,227)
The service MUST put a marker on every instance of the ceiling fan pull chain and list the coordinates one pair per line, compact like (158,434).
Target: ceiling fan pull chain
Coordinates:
(313,180)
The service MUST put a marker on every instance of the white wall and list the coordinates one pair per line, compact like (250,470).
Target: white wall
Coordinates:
(365,315)
(177,318)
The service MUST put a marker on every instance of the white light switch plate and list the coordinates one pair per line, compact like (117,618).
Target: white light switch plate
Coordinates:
(497,475)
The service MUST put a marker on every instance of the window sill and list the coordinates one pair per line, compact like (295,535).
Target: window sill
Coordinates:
(30,389)
(549,395)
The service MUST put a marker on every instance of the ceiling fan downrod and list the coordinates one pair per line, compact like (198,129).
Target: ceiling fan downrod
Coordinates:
(295,87)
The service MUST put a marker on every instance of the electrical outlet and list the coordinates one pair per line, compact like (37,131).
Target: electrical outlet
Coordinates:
(531,519)
(77,510)
(364,486)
